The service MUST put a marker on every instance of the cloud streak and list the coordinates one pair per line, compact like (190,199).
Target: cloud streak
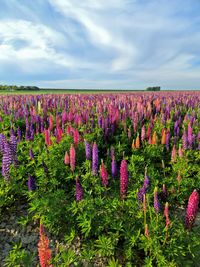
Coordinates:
(94,44)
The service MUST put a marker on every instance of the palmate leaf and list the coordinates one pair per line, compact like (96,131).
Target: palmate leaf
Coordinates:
(105,246)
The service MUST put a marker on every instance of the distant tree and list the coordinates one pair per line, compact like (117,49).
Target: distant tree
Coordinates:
(153,88)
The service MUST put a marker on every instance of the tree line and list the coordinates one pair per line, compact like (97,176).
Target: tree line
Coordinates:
(18,88)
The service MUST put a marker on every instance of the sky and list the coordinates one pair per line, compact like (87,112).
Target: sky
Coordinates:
(100,44)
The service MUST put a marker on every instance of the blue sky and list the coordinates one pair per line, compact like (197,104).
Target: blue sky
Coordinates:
(100,43)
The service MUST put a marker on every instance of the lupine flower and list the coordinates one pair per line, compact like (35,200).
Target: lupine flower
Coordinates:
(137,142)
(173,154)
(167,140)
(31,155)
(114,167)
(192,209)
(133,144)
(79,190)
(13,147)
(2,142)
(104,175)
(6,160)
(163,138)
(190,136)
(156,201)
(76,137)
(72,156)
(95,159)
(45,167)
(143,133)
(154,139)
(31,183)
(87,150)
(180,152)
(184,140)
(144,188)
(166,214)
(66,158)
(44,252)
(123,178)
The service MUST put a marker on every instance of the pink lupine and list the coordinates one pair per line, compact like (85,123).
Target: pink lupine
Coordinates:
(66,158)
(166,214)
(104,175)
(72,156)
(143,133)
(173,154)
(76,137)
(179,178)
(180,152)
(123,178)
(192,209)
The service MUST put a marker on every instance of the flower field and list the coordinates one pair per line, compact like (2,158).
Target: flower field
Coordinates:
(103,179)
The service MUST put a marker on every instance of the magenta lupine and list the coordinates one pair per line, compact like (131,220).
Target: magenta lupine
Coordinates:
(157,205)
(66,158)
(31,183)
(123,178)
(72,157)
(192,209)
(166,214)
(87,150)
(104,175)
(114,167)
(95,159)
(79,190)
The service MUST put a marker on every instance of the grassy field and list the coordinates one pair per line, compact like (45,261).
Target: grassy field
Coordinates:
(65,91)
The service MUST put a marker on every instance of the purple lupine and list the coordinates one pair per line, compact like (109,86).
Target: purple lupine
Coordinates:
(123,178)
(157,205)
(6,160)
(114,167)
(31,183)
(144,188)
(31,155)
(87,150)
(45,167)
(95,159)
(192,209)
(2,142)
(19,135)
(13,147)
(79,190)
(167,140)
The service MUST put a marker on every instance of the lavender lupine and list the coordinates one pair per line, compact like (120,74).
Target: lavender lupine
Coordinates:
(95,159)
(79,190)
(157,205)
(87,150)
(31,183)
(114,167)
(123,178)
(6,160)
(192,209)
(144,188)
(184,140)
